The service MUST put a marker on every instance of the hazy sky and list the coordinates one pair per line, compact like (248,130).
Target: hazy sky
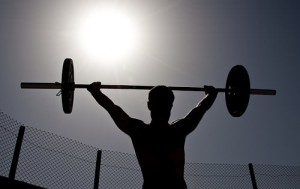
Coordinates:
(178,43)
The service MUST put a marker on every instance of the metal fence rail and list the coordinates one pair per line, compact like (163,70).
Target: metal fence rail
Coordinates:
(51,161)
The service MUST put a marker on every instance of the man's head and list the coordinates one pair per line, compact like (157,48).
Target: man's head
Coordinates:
(160,102)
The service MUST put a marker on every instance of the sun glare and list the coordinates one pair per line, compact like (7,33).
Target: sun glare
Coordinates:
(108,35)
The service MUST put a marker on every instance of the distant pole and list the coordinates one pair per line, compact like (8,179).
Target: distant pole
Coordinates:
(14,163)
(97,169)
(252,176)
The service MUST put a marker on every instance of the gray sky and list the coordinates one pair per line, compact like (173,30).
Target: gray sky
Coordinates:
(179,43)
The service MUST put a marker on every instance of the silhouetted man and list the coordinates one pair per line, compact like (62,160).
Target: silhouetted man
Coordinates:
(159,146)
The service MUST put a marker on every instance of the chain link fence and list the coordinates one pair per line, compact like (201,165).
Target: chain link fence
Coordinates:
(51,161)
(55,162)
(277,177)
(200,175)
(9,129)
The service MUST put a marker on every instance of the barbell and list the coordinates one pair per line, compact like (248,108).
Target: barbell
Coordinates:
(237,91)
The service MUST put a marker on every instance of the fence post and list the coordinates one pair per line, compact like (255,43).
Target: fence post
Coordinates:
(252,176)
(97,169)
(14,163)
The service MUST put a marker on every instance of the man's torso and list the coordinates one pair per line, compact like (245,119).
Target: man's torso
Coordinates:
(160,152)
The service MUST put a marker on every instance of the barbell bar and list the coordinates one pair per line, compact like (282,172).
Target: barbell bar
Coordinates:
(57,85)
(237,91)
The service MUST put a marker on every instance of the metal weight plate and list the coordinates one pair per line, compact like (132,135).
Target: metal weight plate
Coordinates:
(67,86)
(237,91)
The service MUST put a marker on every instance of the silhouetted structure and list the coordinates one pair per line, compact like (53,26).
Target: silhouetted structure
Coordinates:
(51,161)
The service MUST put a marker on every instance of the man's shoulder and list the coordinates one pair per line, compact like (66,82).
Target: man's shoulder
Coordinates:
(137,122)
(137,127)
(177,122)
(180,126)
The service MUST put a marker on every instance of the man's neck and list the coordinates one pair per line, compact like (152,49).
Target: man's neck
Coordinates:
(157,122)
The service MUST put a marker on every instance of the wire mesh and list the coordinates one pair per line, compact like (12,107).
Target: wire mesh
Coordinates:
(199,175)
(274,176)
(8,136)
(52,161)
(120,170)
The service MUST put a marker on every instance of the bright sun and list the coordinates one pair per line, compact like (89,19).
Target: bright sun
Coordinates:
(108,35)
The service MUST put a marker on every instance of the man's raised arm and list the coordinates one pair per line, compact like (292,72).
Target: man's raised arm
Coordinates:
(118,115)
(191,121)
